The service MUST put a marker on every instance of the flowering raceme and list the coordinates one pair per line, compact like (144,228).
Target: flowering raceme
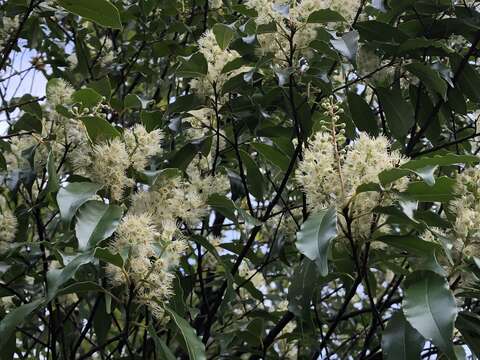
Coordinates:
(330,175)
(8,224)
(466,208)
(294,24)
(216,60)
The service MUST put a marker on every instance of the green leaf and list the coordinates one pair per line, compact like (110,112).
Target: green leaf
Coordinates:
(325,16)
(107,256)
(468,324)
(399,113)
(196,349)
(53,183)
(102,87)
(272,155)
(223,205)
(442,191)
(28,122)
(468,79)
(425,166)
(15,318)
(302,287)
(362,114)
(102,12)
(315,236)
(96,221)
(74,195)
(87,97)
(429,306)
(400,341)
(429,77)
(99,129)
(163,352)
(132,101)
(223,34)
(151,120)
(193,66)
(58,277)
(347,45)
(255,180)
(413,245)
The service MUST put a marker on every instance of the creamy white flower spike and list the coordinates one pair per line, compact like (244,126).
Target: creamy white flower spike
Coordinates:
(466,209)
(59,92)
(330,174)
(153,253)
(142,145)
(216,58)
(8,225)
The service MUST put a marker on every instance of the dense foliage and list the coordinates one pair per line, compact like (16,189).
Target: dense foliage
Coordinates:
(208,179)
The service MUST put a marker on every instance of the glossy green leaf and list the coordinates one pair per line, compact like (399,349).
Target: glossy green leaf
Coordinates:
(87,97)
(14,318)
(73,195)
(400,341)
(399,113)
(99,129)
(28,123)
(96,221)
(468,324)
(325,16)
(223,205)
(193,66)
(132,101)
(315,236)
(429,306)
(224,34)
(362,114)
(429,77)
(196,349)
(347,45)
(58,277)
(102,12)
(442,191)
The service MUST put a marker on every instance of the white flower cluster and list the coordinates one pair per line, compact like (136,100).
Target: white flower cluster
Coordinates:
(179,198)
(153,252)
(330,174)
(8,225)
(466,209)
(9,26)
(295,22)
(216,60)
(107,163)
(59,92)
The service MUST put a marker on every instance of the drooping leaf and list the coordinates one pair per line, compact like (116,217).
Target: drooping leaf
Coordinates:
(468,324)
(9,323)
(58,277)
(400,341)
(429,77)
(223,205)
(399,113)
(196,349)
(429,306)
(315,236)
(96,221)
(362,114)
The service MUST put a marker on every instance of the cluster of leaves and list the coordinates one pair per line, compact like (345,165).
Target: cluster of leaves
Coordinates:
(408,298)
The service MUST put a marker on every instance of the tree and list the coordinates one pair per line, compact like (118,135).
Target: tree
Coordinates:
(259,179)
